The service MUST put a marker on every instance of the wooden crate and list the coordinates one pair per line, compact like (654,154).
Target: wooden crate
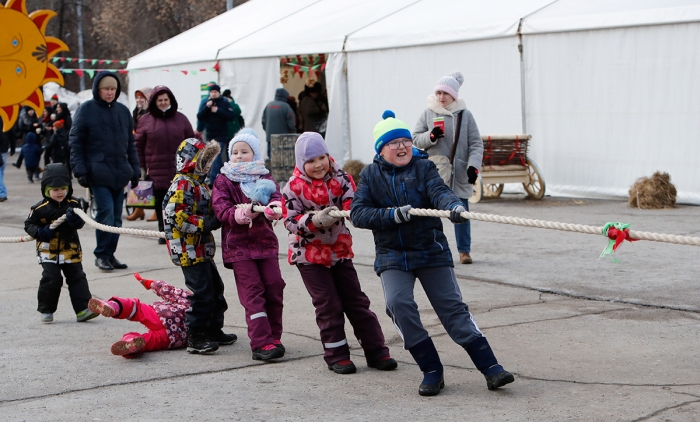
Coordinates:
(505,150)
(282,160)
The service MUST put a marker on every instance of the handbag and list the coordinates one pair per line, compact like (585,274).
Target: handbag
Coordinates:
(142,196)
(444,164)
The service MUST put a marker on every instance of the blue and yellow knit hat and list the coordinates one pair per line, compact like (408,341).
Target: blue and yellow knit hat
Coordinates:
(389,129)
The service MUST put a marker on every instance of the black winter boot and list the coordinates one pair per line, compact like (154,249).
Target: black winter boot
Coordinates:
(426,356)
(198,342)
(485,361)
(222,339)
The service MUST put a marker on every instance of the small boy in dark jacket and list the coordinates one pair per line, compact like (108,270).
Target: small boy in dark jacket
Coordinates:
(31,150)
(401,178)
(58,250)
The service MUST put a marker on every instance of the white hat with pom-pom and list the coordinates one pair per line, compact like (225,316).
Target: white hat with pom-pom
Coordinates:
(450,84)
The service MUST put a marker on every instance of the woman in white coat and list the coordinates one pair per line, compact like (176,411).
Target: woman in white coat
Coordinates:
(445,122)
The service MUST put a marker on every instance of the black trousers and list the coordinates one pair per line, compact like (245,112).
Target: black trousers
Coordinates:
(160,196)
(51,283)
(207,303)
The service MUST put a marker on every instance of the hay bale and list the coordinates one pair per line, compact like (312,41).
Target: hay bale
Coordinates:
(653,193)
(353,168)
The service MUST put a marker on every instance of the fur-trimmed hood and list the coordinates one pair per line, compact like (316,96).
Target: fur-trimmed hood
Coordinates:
(456,106)
(194,156)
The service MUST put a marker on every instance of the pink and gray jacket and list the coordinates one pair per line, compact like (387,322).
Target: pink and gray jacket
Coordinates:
(302,196)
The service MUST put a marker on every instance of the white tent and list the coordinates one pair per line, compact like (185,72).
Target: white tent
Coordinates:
(598,82)
(613,93)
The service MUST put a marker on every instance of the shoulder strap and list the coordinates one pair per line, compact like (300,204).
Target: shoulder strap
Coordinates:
(457,130)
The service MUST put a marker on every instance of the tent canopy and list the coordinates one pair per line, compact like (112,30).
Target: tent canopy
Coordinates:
(267,28)
(321,28)
(428,22)
(203,42)
(576,15)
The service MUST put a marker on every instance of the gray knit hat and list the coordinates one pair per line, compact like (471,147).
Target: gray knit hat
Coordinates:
(450,84)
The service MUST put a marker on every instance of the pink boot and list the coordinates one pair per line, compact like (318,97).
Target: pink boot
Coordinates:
(108,308)
(128,347)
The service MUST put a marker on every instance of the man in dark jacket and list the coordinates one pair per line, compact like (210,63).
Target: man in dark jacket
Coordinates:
(278,117)
(157,138)
(216,113)
(103,157)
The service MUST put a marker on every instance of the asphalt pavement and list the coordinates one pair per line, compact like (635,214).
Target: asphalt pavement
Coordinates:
(587,339)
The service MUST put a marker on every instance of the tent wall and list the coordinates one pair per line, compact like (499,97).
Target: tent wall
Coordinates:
(606,107)
(401,79)
(186,88)
(252,83)
(337,130)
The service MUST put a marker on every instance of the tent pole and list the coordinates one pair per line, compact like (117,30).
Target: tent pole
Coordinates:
(523,114)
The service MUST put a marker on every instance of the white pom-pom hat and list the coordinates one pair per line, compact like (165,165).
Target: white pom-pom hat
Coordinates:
(450,84)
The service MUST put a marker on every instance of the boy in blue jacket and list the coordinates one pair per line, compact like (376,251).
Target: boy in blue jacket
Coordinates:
(401,178)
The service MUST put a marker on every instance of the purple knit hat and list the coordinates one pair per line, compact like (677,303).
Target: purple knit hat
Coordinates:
(309,145)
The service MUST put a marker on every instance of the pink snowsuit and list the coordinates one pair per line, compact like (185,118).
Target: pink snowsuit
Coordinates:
(164,319)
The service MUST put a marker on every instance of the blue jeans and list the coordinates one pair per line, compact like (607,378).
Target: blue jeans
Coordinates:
(463,232)
(3,189)
(109,212)
(218,162)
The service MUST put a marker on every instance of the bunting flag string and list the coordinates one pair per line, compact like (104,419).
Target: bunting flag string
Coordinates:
(91,61)
(91,72)
(305,64)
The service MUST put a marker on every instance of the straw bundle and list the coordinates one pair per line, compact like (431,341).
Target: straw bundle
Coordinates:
(653,193)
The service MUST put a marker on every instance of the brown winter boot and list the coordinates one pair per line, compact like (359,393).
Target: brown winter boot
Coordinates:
(464,258)
(138,214)
(153,217)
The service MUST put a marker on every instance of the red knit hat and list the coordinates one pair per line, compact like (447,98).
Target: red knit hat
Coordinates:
(54,97)
(58,124)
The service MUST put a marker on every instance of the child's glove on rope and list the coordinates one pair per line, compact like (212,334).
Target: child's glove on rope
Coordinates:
(401,214)
(73,219)
(456,215)
(323,219)
(270,212)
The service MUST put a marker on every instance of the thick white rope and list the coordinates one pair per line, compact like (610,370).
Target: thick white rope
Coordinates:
(517,221)
(28,238)
(120,230)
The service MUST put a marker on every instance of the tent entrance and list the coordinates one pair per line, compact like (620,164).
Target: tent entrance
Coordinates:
(299,73)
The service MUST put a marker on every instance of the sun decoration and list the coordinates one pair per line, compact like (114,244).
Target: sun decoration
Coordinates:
(25,52)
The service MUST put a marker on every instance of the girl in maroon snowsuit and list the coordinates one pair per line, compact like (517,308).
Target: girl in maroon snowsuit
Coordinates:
(320,246)
(250,246)
(164,319)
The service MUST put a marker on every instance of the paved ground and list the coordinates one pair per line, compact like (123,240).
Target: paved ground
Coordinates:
(587,339)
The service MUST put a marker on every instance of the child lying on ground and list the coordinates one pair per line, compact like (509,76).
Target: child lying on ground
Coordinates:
(164,319)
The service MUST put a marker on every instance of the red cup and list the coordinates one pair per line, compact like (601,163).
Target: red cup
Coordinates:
(439,122)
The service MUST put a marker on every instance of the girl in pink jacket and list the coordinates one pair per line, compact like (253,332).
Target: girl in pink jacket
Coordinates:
(321,247)
(164,319)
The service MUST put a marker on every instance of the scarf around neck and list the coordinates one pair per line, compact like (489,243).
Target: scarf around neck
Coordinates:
(246,173)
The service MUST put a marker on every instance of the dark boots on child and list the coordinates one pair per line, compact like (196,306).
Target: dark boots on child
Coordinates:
(485,361)
(426,356)
(428,360)
(199,342)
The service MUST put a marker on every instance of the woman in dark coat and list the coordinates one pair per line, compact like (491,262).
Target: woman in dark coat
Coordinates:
(158,135)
